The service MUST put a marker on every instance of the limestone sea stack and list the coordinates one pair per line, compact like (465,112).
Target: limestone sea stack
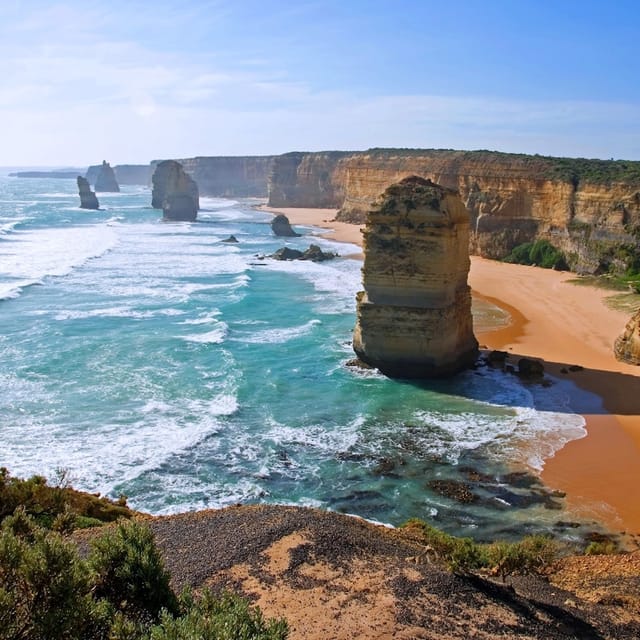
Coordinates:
(627,345)
(88,199)
(175,192)
(106,179)
(281,226)
(414,315)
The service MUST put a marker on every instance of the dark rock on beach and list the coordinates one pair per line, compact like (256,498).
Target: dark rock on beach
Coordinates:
(281,227)
(88,199)
(528,368)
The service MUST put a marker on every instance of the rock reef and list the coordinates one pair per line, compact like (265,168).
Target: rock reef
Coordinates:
(175,192)
(88,199)
(106,179)
(414,315)
(627,345)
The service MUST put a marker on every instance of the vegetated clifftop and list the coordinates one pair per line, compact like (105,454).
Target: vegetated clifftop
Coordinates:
(230,176)
(590,209)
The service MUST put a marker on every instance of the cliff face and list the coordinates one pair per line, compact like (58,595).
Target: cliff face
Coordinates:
(230,176)
(308,180)
(174,192)
(589,209)
(414,315)
(627,345)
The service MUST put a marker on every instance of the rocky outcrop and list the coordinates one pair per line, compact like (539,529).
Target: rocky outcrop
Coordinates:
(281,227)
(135,174)
(590,209)
(106,179)
(627,345)
(88,199)
(174,192)
(231,239)
(314,254)
(414,315)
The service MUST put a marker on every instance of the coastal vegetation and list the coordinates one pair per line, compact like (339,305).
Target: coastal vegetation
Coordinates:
(540,253)
(120,591)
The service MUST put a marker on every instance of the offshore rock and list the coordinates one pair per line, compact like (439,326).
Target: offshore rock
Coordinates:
(106,179)
(414,315)
(281,227)
(232,239)
(88,199)
(627,345)
(314,254)
(175,192)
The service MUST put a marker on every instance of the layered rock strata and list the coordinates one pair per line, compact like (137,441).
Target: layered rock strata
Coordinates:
(627,345)
(590,209)
(88,199)
(414,315)
(174,192)
(106,179)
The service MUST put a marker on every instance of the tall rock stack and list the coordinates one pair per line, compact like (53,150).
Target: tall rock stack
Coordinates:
(175,192)
(627,345)
(414,315)
(88,199)
(106,179)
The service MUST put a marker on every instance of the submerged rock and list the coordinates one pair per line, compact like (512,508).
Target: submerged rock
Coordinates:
(106,179)
(88,199)
(281,227)
(627,345)
(175,192)
(414,315)
(231,239)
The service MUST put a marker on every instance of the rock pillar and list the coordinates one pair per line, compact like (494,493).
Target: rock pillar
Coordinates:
(414,315)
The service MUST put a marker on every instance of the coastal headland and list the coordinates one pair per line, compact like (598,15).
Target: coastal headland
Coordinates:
(572,330)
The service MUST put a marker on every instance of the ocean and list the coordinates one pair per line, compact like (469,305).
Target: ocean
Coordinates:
(150,359)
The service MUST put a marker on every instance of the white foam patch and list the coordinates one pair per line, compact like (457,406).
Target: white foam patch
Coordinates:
(277,335)
(215,336)
(99,455)
(114,312)
(30,256)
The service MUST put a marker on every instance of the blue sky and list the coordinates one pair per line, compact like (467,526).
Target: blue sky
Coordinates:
(133,81)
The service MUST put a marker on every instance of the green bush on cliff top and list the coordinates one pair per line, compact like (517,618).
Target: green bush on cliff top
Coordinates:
(121,592)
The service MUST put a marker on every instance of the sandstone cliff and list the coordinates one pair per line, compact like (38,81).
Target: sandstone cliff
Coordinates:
(88,199)
(106,179)
(174,192)
(230,176)
(414,315)
(590,209)
(627,345)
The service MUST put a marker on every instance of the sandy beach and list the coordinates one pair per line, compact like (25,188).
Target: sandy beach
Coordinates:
(563,325)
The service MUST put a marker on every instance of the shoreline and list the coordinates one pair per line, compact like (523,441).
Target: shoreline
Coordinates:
(564,325)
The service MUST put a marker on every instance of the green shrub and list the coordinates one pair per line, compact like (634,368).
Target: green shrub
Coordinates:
(601,548)
(227,617)
(45,590)
(540,253)
(129,572)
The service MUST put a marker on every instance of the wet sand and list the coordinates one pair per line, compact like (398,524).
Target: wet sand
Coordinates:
(564,325)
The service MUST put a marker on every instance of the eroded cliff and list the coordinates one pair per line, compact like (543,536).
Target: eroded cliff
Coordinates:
(414,315)
(175,192)
(590,209)
(627,345)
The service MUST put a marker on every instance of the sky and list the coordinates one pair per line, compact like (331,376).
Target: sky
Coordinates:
(131,81)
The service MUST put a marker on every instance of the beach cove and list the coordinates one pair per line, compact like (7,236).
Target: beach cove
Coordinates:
(568,327)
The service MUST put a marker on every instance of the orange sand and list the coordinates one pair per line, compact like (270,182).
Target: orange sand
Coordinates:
(564,325)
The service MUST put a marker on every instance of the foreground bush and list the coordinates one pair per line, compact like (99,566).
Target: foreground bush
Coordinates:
(532,554)
(121,592)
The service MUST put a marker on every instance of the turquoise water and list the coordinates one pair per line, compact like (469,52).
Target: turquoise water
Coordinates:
(152,360)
